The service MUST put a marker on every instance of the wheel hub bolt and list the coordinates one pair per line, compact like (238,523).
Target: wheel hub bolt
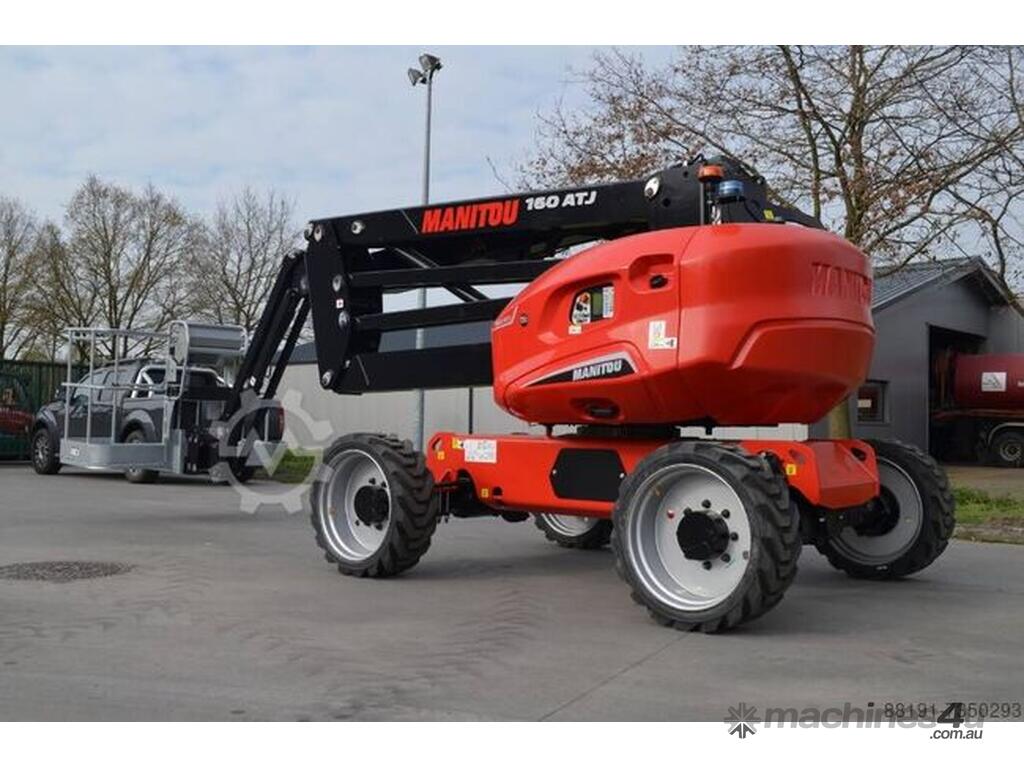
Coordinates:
(706,504)
(725,513)
(707,565)
(726,558)
(734,536)
(371,504)
(702,536)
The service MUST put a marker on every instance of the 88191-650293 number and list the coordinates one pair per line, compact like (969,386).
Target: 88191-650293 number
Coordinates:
(953,711)
(993,710)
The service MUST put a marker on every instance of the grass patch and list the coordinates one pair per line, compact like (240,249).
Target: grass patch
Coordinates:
(295,466)
(980,516)
(974,507)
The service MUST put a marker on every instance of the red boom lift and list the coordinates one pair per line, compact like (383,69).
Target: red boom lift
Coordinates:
(700,305)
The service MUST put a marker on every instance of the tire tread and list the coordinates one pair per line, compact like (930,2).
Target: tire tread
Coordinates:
(937,526)
(411,487)
(53,465)
(596,538)
(780,542)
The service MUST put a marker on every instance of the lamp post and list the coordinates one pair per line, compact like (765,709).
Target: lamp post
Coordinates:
(429,65)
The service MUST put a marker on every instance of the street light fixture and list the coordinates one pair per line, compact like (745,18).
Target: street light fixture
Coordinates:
(429,66)
(429,63)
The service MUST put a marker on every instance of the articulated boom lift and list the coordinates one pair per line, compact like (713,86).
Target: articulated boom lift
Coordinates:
(701,305)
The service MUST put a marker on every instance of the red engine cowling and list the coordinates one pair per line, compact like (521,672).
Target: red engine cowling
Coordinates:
(735,324)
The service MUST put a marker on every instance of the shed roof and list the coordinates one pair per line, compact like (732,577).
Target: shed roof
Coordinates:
(891,288)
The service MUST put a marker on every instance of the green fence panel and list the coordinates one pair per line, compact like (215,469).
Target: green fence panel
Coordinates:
(24,387)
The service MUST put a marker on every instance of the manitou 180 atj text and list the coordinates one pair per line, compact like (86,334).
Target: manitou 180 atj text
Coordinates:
(701,304)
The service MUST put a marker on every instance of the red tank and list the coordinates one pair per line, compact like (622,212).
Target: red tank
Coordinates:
(736,324)
(989,381)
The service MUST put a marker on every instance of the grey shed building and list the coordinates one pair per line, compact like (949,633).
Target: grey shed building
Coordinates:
(920,312)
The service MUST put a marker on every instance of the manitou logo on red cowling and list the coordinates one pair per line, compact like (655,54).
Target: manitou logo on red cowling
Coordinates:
(459,218)
(839,283)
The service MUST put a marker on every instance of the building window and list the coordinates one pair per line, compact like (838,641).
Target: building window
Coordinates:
(871,405)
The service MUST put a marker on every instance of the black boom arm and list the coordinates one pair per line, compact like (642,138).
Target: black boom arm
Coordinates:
(351,261)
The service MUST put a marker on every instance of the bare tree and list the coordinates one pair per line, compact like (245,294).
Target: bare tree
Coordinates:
(18,230)
(993,201)
(245,242)
(130,250)
(870,139)
(63,297)
(897,148)
(168,240)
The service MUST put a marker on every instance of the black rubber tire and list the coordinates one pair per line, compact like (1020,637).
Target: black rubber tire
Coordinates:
(139,476)
(774,524)
(938,509)
(413,513)
(1007,438)
(243,473)
(47,462)
(597,537)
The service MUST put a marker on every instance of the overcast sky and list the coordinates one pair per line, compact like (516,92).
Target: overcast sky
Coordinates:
(339,130)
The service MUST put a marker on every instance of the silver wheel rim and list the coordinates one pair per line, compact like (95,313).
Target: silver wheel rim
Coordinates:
(884,548)
(571,526)
(347,536)
(1010,451)
(653,549)
(42,449)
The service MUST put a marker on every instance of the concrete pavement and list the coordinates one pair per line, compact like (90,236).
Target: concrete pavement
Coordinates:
(231,616)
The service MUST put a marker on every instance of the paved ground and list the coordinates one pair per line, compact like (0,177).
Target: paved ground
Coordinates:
(998,481)
(229,616)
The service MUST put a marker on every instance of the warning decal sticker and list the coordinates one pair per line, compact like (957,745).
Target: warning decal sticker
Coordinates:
(656,338)
(480,451)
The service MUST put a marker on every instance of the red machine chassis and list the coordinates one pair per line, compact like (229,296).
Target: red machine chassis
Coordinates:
(520,473)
